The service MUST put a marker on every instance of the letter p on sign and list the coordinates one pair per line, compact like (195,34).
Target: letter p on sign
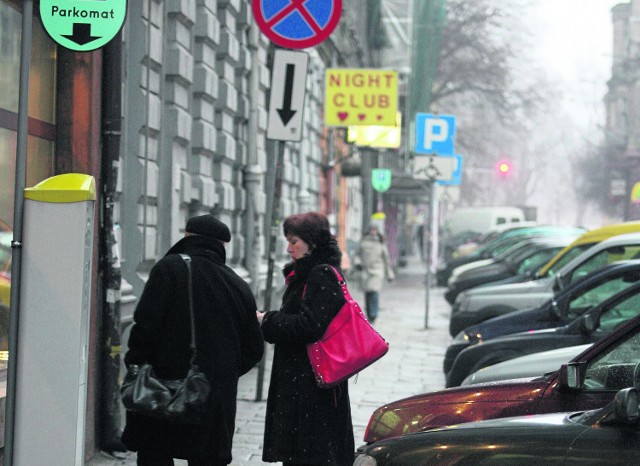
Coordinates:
(435,134)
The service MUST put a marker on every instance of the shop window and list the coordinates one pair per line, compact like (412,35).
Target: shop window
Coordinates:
(40,140)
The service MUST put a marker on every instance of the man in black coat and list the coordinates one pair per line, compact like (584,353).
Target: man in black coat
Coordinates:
(228,340)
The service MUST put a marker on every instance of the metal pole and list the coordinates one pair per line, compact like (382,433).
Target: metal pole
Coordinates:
(427,254)
(435,222)
(274,222)
(16,243)
(430,244)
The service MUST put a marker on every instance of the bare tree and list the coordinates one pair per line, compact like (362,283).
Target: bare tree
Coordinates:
(499,103)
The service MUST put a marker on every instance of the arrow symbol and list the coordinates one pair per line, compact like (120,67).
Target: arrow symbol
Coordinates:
(81,34)
(285,112)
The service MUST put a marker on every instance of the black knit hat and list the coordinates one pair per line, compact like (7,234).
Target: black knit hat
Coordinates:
(208,225)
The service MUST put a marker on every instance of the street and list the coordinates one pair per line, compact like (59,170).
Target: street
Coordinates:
(413,365)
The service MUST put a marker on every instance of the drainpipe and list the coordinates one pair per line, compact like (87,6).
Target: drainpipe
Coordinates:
(110,329)
(253,173)
(16,242)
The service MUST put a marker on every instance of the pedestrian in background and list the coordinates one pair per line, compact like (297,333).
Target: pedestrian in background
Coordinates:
(375,268)
(306,424)
(228,340)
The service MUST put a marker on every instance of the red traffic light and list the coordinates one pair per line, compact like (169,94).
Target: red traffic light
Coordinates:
(504,168)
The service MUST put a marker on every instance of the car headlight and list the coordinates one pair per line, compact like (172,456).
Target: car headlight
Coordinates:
(467,337)
(365,460)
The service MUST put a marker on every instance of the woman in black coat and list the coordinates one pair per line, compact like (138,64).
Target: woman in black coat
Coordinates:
(306,424)
(228,340)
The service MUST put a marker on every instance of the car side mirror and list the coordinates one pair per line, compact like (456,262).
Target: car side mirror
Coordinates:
(571,375)
(636,376)
(625,408)
(587,324)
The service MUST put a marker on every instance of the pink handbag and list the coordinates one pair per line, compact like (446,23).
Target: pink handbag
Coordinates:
(349,345)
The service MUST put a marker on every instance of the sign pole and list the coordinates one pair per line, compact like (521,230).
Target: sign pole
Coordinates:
(274,222)
(432,174)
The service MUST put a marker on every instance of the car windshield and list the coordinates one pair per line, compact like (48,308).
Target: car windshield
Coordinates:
(525,251)
(604,257)
(536,260)
(564,260)
(585,300)
(616,315)
(508,245)
(614,368)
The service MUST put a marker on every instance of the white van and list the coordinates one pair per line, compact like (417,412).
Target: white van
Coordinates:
(482,219)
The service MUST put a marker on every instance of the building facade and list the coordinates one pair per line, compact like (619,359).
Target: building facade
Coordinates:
(622,103)
(170,119)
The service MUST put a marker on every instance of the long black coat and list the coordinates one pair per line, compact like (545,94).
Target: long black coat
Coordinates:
(228,339)
(305,423)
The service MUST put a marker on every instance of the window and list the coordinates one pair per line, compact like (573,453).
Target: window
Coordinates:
(614,369)
(42,85)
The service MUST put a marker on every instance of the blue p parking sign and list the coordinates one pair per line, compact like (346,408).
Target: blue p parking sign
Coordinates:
(435,134)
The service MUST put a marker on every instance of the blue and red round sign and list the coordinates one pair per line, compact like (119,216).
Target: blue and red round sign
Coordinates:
(297,24)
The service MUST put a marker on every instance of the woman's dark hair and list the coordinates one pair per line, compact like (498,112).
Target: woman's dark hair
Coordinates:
(311,227)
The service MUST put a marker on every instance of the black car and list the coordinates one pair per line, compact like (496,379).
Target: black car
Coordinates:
(592,288)
(589,327)
(605,436)
(523,259)
(497,246)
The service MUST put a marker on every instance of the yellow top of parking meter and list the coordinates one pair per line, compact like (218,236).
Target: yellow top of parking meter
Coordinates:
(70,187)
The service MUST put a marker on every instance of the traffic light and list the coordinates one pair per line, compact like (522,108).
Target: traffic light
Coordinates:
(503,168)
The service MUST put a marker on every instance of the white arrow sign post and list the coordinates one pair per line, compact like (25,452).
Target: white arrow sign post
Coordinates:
(286,104)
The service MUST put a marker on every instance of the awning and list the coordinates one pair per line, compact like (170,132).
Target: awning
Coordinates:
(405,187)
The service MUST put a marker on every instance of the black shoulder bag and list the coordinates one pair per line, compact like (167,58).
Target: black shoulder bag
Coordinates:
(182,400)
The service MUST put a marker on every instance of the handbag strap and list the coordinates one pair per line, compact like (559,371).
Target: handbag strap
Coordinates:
(192,347)
(342,283)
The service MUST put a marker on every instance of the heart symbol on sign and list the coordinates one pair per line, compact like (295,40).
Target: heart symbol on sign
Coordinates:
(342,115)
(361,116)
(379,117)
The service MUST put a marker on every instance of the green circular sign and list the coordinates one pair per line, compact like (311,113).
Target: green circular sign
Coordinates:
(82,25)
(381,179)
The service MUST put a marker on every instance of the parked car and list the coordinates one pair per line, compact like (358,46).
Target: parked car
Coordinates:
(531,365)
(591,388)
(604,436)
(587,328)
(587,240)
(594,288)
(521,261)
(482,303)
(498,245)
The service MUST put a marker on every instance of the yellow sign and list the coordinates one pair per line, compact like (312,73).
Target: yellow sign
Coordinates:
(361,97)
(635,193)
(376,136)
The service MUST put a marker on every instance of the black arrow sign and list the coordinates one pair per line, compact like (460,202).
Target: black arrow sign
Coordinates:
(285,112)
(81,34)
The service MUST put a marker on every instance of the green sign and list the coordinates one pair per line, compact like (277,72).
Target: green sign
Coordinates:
(82,25)
(381,179)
